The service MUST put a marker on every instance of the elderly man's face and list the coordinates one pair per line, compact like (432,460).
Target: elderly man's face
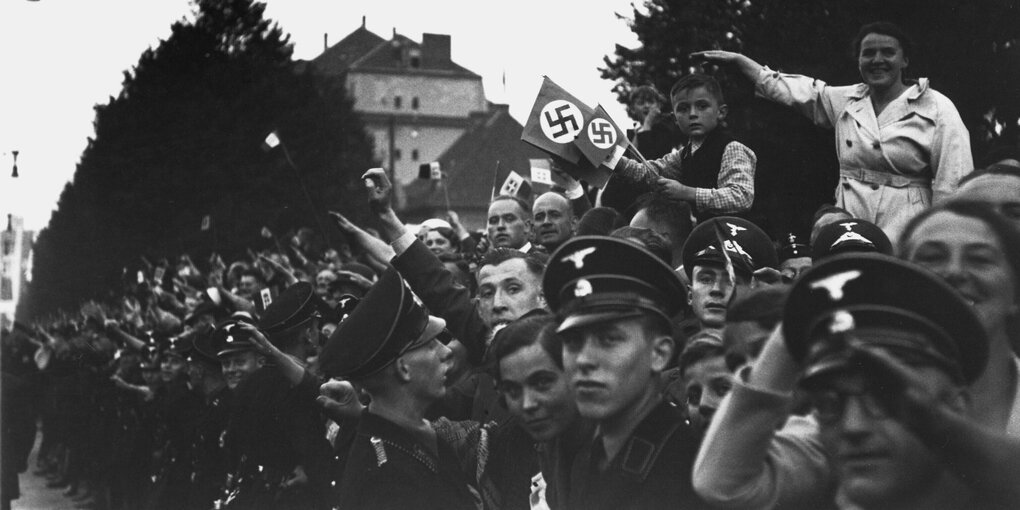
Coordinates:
(553,220)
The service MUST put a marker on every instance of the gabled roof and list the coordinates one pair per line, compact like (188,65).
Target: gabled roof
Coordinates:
(470,162)
(337,58)
(363,50)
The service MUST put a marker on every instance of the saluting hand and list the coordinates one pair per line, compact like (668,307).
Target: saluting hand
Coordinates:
(379,189)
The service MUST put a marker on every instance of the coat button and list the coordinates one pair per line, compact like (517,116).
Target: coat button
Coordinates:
(849,143)
(874,187)
(876,145)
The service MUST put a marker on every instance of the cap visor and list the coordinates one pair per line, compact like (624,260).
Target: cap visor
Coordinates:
(579,320)
(434,327)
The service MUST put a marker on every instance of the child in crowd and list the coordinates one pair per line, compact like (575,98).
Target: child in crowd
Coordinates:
(713,172)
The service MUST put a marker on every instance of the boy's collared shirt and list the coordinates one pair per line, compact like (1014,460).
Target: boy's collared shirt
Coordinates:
(734,192)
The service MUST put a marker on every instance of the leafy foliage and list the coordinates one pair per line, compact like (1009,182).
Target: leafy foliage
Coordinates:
(182,141)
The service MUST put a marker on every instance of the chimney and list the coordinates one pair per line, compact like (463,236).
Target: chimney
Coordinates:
(435,49)
(362,21)
(325,41)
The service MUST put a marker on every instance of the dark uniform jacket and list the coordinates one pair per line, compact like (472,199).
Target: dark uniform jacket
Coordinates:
(388,468)
(652,470)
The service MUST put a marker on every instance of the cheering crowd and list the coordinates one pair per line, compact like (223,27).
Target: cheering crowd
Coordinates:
(642,345)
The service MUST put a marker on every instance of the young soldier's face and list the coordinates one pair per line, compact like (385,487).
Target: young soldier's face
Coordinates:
(537,392)
(879,462)
(238,366)
(173,367)
(710,294)
(427,367)
(614,365)
(697,112)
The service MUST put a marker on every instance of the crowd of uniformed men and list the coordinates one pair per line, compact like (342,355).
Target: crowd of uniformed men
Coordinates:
(570,357)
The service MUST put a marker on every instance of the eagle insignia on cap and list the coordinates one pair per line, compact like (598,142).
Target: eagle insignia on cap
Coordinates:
(582,288)
(841,322)
(849,225)
(578,256)
(734,229)
(850,235)
(834,284)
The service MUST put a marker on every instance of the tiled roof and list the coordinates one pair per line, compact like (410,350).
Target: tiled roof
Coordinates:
(337,58)
(470,162)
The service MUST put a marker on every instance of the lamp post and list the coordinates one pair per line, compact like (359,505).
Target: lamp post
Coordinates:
(14,173)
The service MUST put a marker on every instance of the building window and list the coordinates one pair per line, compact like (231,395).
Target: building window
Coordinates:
(414,103)
(396,155)
(414,155)
(397,100)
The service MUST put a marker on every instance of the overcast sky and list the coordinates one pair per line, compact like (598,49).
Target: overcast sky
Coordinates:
(61,57)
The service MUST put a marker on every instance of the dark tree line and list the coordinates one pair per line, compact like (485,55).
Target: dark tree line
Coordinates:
(182,141)
(969,50)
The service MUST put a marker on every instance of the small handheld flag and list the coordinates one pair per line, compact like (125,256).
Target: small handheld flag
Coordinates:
(541,171)
(266,233)
(271,141)
(512,184)
(430,171)
(206,222)
(267,298)
(601,138)
(555,121)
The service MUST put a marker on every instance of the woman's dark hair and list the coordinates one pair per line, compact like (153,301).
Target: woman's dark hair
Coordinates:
(1004,230)
(884,28)
(535,327)
(450,235)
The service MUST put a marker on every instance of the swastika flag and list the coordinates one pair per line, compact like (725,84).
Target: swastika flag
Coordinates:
(600,138)
(555,121)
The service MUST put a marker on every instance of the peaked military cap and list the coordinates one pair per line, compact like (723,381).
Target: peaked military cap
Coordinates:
(200,347)
(850,236)
(793,246)
(592,279)
(227,338)
(293,307)
(389,321)
(748,246)
(869,299)
(177,346)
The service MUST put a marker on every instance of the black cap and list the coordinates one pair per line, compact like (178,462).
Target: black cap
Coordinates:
(592,279)
(200,352)
(203,308)
(225,339)
(293,307)
(793,246)
(177,345)
(386,323)
(874,299)
(748,246)
(850,236)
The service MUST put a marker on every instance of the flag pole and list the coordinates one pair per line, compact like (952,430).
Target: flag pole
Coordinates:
(495,177)
(446,194)
(315,216)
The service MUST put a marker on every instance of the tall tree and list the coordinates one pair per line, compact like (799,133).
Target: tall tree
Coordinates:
(182,141)
(969,50)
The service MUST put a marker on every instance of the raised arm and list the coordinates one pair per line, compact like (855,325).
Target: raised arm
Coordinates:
(754,454)
(812,98)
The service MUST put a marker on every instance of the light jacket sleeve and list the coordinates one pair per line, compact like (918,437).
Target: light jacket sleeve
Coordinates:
(951,158)
(747,461)
(812,98)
